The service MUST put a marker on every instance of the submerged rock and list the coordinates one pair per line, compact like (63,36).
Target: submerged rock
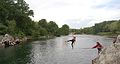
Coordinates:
(110,54)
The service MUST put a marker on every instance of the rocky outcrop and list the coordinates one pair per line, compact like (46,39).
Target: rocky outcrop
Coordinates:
(8,40)
(110,54)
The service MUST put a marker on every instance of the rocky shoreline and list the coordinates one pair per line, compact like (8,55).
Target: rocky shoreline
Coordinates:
(11,40)
(110,54)
(8,40)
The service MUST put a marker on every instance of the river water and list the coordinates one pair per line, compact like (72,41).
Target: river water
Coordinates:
(54,51)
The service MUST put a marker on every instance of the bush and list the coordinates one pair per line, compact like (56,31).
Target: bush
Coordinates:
(3,29)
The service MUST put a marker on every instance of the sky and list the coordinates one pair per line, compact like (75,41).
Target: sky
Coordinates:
(75,13)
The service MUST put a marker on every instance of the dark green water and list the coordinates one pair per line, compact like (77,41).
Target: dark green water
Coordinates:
(53,51)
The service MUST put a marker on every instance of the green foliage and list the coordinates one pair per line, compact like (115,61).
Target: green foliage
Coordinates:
(88,30)
(15,20)
(59,32)
(43,23)
(113,27)
(14,9)
(106,27)
(43,32)
(52,28)
(19,34)
(77,31)
(25,24)
(11,27)
(105,33)
(3,29)
(65,29)
(15,14)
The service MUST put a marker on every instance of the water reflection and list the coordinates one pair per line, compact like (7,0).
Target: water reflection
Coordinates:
(15,55)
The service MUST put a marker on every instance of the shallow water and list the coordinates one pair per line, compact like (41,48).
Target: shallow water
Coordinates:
(54,51)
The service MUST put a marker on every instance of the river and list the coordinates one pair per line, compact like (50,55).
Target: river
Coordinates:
(54,51)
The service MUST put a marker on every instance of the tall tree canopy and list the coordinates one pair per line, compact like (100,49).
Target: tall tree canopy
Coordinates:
(43,23)
(52,27)
(65,29)
(17,10)
(13,9)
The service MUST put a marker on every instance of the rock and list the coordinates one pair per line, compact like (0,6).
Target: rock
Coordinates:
(1,38)
(7,40)
(110,54)
(118,39)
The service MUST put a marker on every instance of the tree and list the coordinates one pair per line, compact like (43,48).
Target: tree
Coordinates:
(3,29)
(65,29)
(11,27)
(43,23)
(52,28)
(43,32)
(25,24)
(113,27)
(17,10)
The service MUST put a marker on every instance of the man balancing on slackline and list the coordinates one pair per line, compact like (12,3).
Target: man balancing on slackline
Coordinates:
(72,40)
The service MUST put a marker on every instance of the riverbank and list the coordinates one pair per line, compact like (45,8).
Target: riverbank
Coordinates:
(110,54)
(8,40)
(108,34)
(11,39)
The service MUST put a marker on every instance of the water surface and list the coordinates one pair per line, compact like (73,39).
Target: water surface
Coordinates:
(54,51)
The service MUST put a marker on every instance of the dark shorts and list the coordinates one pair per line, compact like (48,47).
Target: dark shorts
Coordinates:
(71,41)
(99,49)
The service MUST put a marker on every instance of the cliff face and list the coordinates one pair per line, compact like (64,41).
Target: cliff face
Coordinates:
(110,54)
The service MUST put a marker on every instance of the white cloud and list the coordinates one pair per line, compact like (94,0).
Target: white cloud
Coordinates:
(68,11)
